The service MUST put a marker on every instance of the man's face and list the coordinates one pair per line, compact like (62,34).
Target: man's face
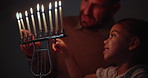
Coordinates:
(92,12)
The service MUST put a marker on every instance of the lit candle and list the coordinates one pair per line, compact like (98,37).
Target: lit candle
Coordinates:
(33,23)
(19,24)
(22,22)
(27,20)
(44,19)
(39,18)
(56,18)
(50,18)
(61,20)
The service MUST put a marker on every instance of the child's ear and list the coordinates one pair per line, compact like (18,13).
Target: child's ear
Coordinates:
(135,41)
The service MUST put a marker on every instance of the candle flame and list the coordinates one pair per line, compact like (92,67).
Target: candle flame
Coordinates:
(38,7)
(17,15)
(20,15)
(42,8)
(50,6)
(55,4)
(60,3)
(31,10)
(26,13)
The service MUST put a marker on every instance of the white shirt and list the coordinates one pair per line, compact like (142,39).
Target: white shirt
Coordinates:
(138,71)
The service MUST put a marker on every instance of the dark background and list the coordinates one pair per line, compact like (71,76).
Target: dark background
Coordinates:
(13,63)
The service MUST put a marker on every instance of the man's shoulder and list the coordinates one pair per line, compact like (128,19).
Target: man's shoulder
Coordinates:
(68,18)
(71,21)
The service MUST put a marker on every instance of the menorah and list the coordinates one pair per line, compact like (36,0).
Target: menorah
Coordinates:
(41,62)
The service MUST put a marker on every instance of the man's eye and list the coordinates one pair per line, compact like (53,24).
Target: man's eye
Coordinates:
(99,5)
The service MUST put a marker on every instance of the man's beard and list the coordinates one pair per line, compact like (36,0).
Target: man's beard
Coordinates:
(95,24)
(88,21)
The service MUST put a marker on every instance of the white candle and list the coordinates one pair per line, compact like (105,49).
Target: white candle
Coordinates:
(61,20)
(27,20)
(50,18)
(19,24)
(22,22)
(33,23)
(56,17)
(39,18)
(44,19)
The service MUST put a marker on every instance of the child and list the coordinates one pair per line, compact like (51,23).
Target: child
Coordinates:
(126,47)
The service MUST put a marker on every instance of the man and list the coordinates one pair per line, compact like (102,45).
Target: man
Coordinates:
(86,34)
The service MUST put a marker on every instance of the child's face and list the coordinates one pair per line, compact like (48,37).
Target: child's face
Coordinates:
(117,45)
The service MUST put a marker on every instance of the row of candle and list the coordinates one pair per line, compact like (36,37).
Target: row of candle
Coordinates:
(22,25)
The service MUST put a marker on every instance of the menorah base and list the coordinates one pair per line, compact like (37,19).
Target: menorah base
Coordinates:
(41,62)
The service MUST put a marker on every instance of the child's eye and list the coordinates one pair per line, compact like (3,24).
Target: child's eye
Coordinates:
(112,35)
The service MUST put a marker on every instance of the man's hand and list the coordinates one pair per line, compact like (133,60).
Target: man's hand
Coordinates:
(27,49)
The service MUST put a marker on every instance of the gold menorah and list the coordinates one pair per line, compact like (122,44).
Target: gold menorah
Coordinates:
(42,32)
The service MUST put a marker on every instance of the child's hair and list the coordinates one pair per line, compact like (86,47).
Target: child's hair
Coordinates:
(138,28)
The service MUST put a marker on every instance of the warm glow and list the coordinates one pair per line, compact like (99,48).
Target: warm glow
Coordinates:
(50,6)
(27,20)
(56,17)
(39,19)
(61,20)
(60,3)
(23,24)
(17,15)
(31,10)
(55,4)
(19,24)
(20,15)
(42,8)
(33,22)
(26,13)
(38,7)
(50,18)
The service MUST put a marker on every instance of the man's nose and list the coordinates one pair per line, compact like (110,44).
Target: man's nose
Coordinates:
(87,10)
